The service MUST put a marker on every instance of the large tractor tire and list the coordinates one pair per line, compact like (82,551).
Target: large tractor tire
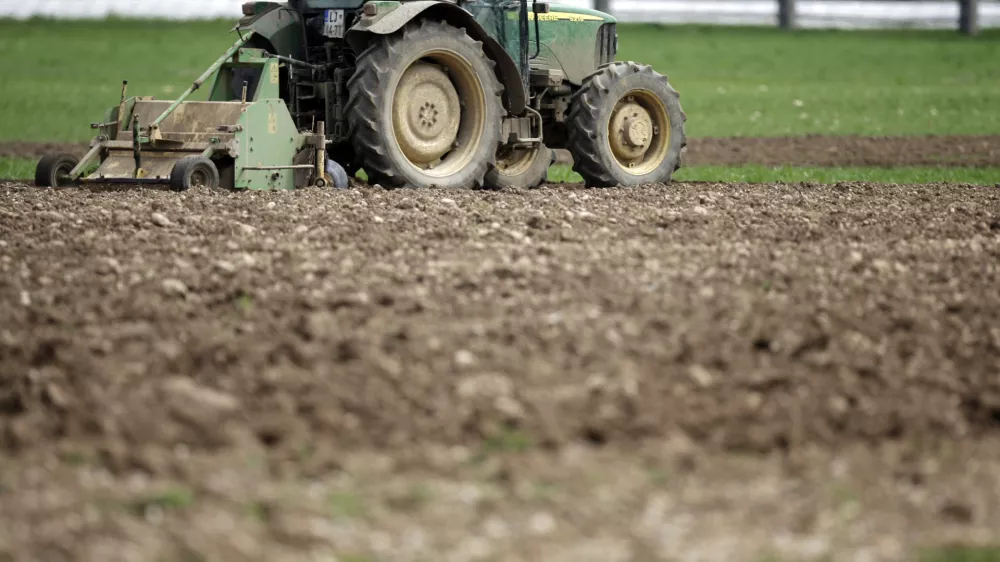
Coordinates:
(425,108)
(520,168)
(626,127)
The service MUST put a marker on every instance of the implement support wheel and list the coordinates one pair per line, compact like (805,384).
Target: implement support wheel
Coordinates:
(53,170)
(194,171)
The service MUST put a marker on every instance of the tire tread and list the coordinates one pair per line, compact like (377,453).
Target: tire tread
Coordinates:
(365,128)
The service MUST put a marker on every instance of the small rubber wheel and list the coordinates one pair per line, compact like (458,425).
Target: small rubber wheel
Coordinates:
(194,171)
(520,168)
(336,175)
(344,155)
(53,170)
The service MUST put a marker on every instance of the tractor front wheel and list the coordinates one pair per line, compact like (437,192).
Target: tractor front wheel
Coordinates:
(194,171)
(425,108)
(53,170)
(626,127)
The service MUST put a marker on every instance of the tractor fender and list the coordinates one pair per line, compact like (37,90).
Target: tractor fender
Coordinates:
(278,29)
(359,35)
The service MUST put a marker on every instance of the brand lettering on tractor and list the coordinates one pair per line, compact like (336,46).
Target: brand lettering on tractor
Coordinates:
(558,16)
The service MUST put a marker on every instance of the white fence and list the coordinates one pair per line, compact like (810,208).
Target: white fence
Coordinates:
(174,9)
(811,13)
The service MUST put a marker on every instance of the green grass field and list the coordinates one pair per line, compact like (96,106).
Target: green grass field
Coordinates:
(962,554)
(733,81)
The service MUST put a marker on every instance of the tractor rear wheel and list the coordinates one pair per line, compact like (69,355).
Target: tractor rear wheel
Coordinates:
(194,171)
(626,127)
(53,170)
(425,108)
(520,168)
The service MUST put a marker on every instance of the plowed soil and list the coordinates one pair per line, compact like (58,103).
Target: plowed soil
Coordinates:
(823,150)
(814,150)
(686,372)
(832,151)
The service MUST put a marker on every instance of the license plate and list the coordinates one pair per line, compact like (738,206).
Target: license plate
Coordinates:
(333,24)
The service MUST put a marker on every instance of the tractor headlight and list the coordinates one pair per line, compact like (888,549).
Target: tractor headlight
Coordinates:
(250,9)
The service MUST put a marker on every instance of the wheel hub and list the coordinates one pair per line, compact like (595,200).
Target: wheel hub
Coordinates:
(426,114)
(639,132)
(632,131)
(62,175)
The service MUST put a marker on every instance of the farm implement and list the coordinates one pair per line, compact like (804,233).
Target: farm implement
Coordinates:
(243,137)
(420,93)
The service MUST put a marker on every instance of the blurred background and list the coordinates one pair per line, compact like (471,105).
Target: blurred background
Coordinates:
(808,13)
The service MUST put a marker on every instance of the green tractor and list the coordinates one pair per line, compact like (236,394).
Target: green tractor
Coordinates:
(419,93)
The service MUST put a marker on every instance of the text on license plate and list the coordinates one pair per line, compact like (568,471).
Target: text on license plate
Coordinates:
(333,24)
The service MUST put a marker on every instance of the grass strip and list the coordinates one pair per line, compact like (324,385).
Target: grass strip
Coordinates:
(24,169)
(733,81)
